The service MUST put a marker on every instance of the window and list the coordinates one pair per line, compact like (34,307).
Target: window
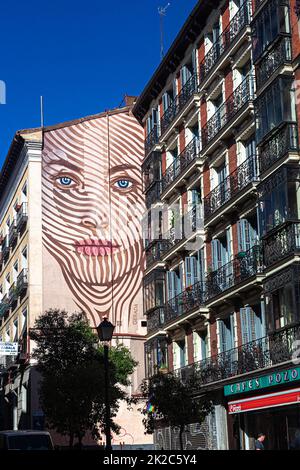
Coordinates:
(226,334)
(24,193)
(271,21)
(15,331)
(252,323)
(221,251)
(179,353)
(154,287)
(7,283)
(247,235)
(15,271)
(24,258)
(281,311)
(200,342)
(274,106)
(174,282)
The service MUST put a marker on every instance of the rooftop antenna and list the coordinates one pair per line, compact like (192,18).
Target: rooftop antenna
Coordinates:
(162,11)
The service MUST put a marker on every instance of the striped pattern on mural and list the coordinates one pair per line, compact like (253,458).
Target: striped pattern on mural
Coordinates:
(98,245)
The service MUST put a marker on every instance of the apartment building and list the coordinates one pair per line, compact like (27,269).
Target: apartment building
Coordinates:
(63,191)
(221,181)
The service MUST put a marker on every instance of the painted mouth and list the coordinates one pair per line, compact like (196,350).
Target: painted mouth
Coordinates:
(96,247)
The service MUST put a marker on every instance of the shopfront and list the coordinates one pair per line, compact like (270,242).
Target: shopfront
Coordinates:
(268,404)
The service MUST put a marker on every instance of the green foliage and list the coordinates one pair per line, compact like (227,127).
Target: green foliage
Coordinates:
(71,365)
(174,403)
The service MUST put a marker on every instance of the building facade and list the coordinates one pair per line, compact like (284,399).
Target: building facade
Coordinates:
(221,181)
(71,201)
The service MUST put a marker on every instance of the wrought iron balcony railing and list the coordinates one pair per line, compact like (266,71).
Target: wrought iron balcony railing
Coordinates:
(179,102)
(22,216)
(265,352)
(22,281)
(13,294)
(191,298)
(232,185)
(13,234)
(281,54)
(278,145)
(154,251)
(190,153)
(4,306)
(153,193)
(242,95)
(156,318)
(243,266)
(152,139)
(284,242)
(240,20)
(5,248)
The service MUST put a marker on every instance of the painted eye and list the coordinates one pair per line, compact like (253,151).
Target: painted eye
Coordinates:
(65,181)
(123,184)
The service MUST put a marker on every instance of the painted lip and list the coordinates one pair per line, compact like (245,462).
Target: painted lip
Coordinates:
(96,247)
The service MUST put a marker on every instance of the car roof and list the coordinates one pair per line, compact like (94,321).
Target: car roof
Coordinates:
(23,432)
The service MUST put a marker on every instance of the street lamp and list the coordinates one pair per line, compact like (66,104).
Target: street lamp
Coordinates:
(105,332)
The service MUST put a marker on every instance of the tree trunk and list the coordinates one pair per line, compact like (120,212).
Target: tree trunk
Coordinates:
(71,440)
(181,435)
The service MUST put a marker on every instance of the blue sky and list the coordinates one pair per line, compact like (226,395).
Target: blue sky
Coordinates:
(81,56)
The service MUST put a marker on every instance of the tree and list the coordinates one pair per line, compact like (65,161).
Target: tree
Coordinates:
(173,403)
(71,365)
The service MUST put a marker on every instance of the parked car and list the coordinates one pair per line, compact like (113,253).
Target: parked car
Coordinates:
(25,440)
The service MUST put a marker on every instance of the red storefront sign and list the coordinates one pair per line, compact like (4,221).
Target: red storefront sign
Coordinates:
(289,397)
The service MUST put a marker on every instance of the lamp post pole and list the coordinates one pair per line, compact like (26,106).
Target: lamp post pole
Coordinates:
(105,332)
(107,404)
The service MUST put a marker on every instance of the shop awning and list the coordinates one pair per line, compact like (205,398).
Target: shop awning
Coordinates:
(288,397)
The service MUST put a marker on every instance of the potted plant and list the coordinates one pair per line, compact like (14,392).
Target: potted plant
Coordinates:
(163,369)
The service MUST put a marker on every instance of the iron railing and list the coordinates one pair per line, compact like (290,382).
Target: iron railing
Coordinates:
(12,234)
(278,145)
(22,280)
(243,266)
(4,306)
(154,251)
(242,95)
(191,298)
(281,54)
(243,175)
(156,318)
(240,20)
(190,153)
(152,139)
(5,248)
(285,241)
(179,102)
(265,352)
(22,216)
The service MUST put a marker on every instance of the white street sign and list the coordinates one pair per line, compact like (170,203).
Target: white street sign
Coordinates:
(8,349)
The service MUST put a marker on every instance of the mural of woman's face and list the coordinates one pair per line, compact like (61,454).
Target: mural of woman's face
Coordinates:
(93,207)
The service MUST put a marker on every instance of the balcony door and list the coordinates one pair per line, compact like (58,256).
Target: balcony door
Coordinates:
(253,325)
(247,235)
(226,334)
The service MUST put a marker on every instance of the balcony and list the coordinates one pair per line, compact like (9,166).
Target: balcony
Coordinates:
(283,243)
(240,20)
(192,298)
(241,268)
(4,306)
(156,319)
(154,252)
(5,249)
(13,235)
(22,216)
(153,193)
(22,281)
(266,352)
(179,103)
(181,163)
(152,139)
(280,55)
(184,229)
(244,175)
(241,96)
(13,295)
(279,144)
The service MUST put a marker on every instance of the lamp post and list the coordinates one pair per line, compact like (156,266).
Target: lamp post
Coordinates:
(105,332)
